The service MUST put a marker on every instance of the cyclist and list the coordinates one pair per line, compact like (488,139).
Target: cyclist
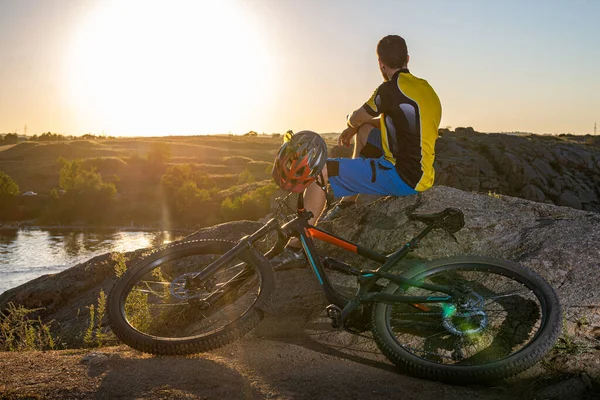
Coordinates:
(396,131)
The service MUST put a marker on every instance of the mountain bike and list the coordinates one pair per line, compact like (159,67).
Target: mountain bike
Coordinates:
(458,319)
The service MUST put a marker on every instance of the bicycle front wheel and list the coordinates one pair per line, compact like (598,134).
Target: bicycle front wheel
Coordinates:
(163,306)
(508,319)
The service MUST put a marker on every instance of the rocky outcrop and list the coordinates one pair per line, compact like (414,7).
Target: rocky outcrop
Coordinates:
(559,243)
(562,170)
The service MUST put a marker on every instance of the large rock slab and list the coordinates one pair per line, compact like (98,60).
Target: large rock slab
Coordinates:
(559,170)
(559,243)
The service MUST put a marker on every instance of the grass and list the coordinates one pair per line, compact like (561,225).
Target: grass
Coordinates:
(21,331)
(567,344)
(94,335)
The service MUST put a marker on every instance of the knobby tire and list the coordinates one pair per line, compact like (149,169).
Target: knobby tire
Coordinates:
(404,357)
(173,257)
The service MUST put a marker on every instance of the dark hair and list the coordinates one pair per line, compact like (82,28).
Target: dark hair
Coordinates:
(392,51)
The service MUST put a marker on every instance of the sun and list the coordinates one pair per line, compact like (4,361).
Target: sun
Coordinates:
(180,67)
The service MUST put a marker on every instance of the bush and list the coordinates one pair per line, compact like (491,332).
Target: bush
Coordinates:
(85,195)
(20,332)
(8,187)
(246,177)
(9,138)
(252,205)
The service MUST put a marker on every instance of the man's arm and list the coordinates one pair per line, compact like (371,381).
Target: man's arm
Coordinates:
(354,121)
(360,117)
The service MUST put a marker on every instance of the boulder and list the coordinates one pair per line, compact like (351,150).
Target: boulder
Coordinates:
(559,243)
(569,199)
(506,164)
(534,193)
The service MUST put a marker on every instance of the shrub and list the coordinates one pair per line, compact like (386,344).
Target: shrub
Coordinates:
(252,205)
(8,187)
(246,177)
(20,332)
(94,335)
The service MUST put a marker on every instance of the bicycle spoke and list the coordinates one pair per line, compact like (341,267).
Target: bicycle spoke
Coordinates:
(511,311)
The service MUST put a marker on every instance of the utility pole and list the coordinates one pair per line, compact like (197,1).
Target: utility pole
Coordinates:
(25,130)
(594,128)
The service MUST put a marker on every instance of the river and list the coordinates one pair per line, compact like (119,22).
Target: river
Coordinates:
(28,254)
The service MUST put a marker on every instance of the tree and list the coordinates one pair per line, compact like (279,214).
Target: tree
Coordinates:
(8,187)
(246,177)
(190,195)
(8,202)
(10,138)
(51,137)
(86,195)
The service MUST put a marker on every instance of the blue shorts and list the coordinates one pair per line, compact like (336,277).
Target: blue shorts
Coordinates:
(378,176)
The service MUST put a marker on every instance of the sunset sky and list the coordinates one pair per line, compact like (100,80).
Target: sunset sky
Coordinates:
(132,68)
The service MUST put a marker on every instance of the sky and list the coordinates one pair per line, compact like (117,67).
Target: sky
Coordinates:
(174,67)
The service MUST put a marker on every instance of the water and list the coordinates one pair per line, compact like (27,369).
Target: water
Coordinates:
(28,254)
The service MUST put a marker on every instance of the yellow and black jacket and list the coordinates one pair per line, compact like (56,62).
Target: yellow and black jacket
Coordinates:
(410,117)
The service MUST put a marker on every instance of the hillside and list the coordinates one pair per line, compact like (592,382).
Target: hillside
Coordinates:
(562,170)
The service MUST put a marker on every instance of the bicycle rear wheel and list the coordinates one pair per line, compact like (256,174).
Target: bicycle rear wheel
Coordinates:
(508,320)
(161,306)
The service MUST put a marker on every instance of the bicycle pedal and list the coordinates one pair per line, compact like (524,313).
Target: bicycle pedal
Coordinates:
(335,314)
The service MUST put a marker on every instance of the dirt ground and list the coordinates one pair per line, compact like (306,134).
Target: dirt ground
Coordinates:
(293,354)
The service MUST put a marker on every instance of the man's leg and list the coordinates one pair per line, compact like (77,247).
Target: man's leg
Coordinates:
(362,136)
(315,198)
(359,142)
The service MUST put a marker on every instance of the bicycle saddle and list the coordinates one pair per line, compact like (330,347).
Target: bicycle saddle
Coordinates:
(451,220)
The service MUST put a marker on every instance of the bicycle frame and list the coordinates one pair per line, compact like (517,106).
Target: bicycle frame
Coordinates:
(306,233)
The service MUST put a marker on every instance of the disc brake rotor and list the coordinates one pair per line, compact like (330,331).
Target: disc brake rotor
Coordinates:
(460,320)
(184,287)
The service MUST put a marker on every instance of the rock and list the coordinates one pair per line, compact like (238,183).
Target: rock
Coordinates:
(585,378)
(559,243)
(573,388)
(94,358)
(544,169)
(506,164)
(569,199)
(586,194)
(533,193)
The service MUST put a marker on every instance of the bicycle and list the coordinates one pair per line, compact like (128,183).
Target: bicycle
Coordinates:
(458,319)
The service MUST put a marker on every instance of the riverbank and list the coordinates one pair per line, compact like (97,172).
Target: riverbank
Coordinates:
(123,228)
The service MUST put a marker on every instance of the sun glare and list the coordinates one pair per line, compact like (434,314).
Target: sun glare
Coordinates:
(178,67)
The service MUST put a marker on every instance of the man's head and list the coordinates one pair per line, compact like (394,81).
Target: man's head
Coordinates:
(392,54)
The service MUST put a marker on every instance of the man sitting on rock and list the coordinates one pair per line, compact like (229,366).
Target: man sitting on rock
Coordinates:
(394,147)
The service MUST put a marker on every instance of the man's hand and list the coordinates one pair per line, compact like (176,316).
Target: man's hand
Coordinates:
(346,136)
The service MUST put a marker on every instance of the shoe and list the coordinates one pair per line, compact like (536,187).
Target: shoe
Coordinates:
(289,258)
(336,211)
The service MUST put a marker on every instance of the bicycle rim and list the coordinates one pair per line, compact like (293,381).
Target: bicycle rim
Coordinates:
(510,314)
(167,301)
